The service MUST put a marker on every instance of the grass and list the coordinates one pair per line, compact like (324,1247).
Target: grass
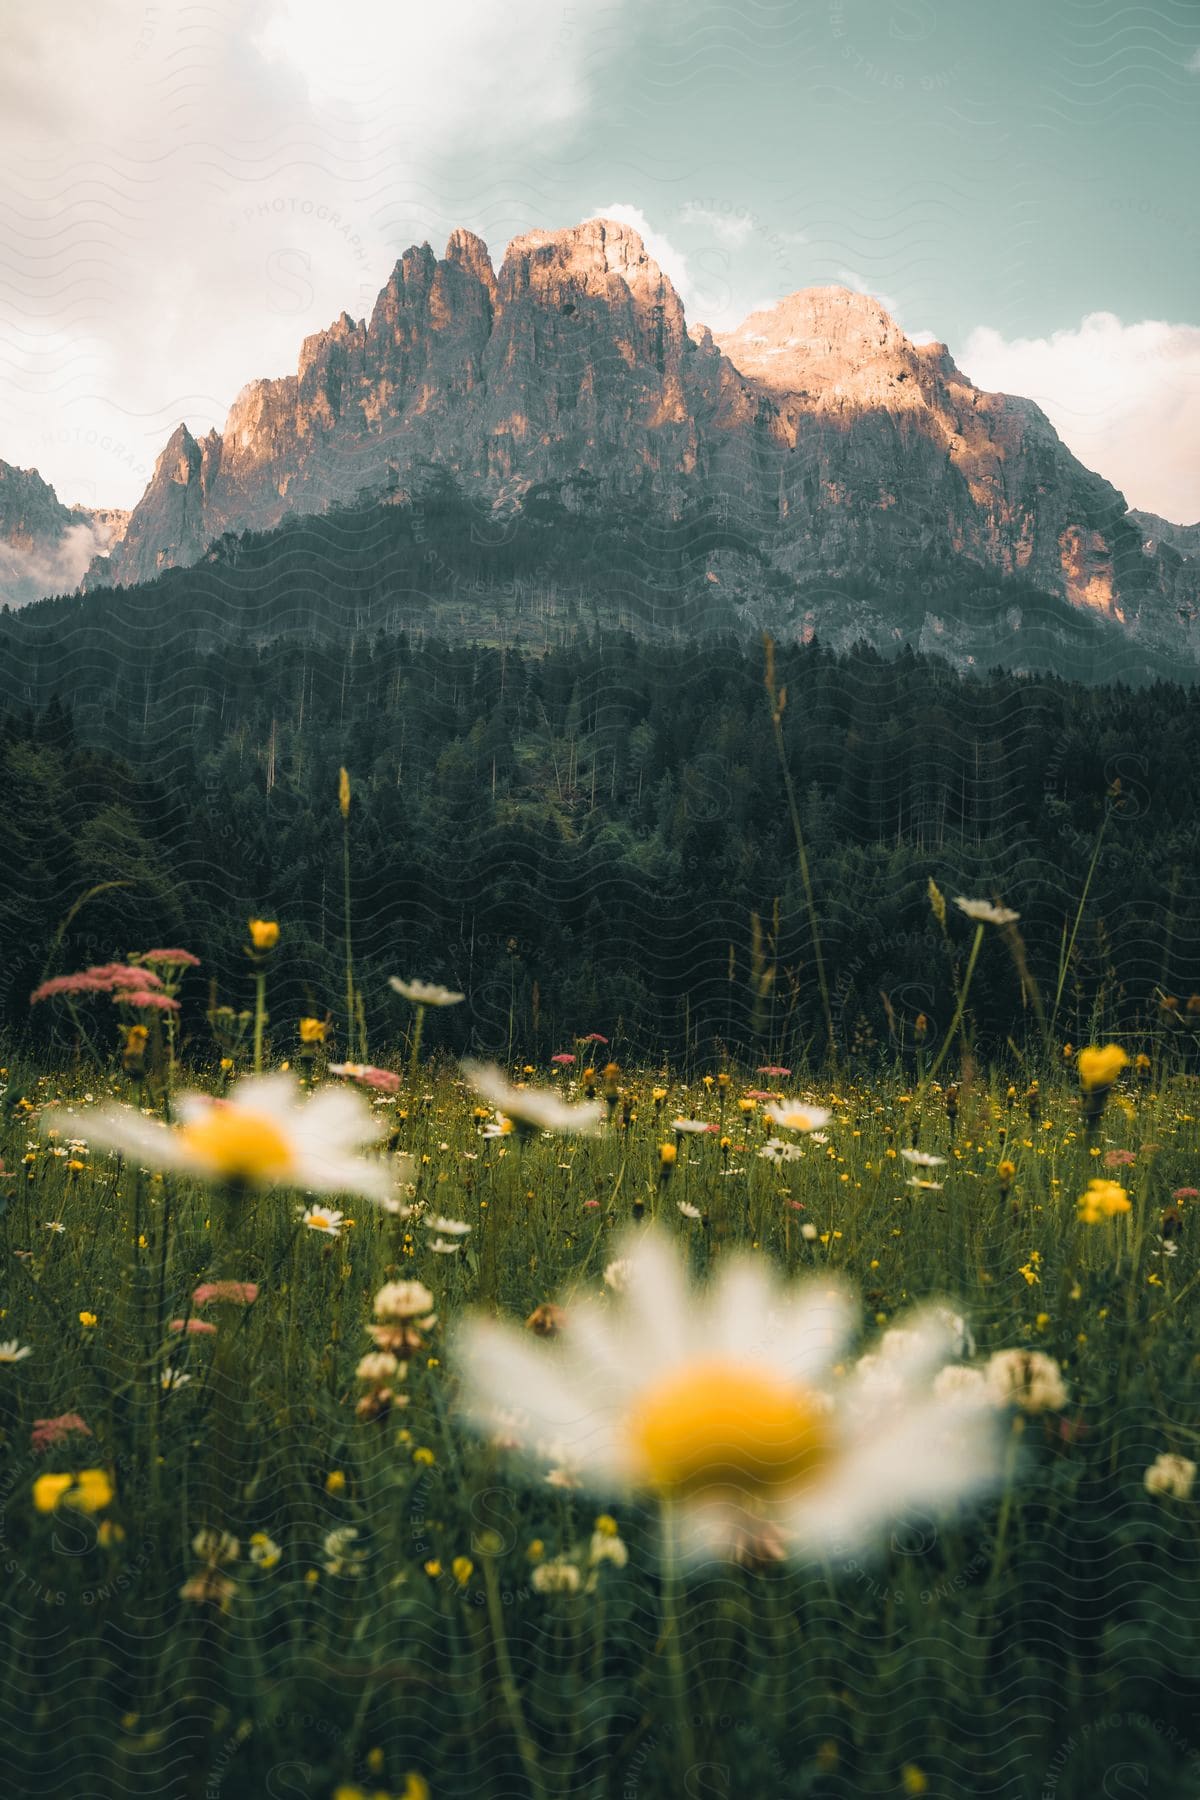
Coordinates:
(1035,1645)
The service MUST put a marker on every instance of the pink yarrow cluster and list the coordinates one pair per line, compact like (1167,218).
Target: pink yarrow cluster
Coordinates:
(124,984)
(367,1075)
(230,1293)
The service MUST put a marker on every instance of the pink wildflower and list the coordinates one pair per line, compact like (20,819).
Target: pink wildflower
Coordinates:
(193,1327)
(593,1037)
(235,1293)
(1119,1159)
(174,959)
(382,1080)
(773,1069)
(563,1058)
(1185,1194)
(103,978)
(47,1432)
(144,998)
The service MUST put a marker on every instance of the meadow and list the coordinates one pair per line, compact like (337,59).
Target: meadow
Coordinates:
(254,1544)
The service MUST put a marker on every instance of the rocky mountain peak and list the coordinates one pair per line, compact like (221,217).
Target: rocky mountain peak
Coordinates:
(823,342)
(466,251)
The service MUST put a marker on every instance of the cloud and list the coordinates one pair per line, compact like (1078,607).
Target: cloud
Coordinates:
(1124,398)
(192,190)
(57,568)
(672,261)
(1194,63)
(732,228)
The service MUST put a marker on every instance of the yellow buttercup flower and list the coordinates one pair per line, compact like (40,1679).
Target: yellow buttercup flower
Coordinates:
(1099,1068)
(90,1491)
(668,1155)
(312,1031)
(264,934)
(87,1320)
(1103,1200)
(462,1569)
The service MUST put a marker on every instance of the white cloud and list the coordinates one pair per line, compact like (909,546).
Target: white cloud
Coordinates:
(671,261)
(732,228)
(710,279)
(29,574)
(1125,398)
(191,190)
(1194,63)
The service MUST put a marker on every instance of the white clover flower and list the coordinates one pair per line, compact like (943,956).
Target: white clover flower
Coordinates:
(558,1576)
(1172,1476)
(1026,1379)
(398,1301)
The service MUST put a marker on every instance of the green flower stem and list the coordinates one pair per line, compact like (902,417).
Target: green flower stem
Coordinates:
(415,1054)
(958,1011)
(509,1690)
(260,1015)
(672,1617)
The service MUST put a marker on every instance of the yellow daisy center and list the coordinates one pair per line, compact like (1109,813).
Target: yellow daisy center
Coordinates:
(239,1146)
(723,1424)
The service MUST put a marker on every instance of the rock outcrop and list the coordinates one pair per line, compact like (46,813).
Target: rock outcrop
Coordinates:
(835,444)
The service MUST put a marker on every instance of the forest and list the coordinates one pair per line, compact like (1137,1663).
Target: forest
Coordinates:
(593,834)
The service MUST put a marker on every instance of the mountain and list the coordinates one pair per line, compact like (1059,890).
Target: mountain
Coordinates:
(834,448)
(45,547)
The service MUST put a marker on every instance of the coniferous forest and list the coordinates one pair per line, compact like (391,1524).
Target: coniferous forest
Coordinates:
(576,815)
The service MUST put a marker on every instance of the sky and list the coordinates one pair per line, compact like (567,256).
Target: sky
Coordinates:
(191,188)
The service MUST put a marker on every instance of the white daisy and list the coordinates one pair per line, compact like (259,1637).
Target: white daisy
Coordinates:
(723,1403)
(688,1211)
(13,1352)
(797,1115)
(425,993)
(984,913)
(54,1225)
(684,1126)
(926,1187)
(922,1159)
(446,1246)
(532,1109)
(174,1378)
(265,1135)
(323,1219)
(775,1150)
(448,1227)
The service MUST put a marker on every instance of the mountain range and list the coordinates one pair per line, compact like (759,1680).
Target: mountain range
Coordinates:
(831,447)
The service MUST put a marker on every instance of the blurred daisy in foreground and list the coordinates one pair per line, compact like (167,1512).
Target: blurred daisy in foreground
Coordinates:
(797,1115)
(723,1403)
(985,913)
(531,1109)
(425,993)
(264,1135)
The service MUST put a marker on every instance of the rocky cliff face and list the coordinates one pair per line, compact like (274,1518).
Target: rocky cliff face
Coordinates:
(834,443)
(45,546)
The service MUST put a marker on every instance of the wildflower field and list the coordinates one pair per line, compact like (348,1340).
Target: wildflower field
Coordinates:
(437,1429)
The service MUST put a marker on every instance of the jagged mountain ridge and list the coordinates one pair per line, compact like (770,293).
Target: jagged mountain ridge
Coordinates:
(45,547)
(832,442)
